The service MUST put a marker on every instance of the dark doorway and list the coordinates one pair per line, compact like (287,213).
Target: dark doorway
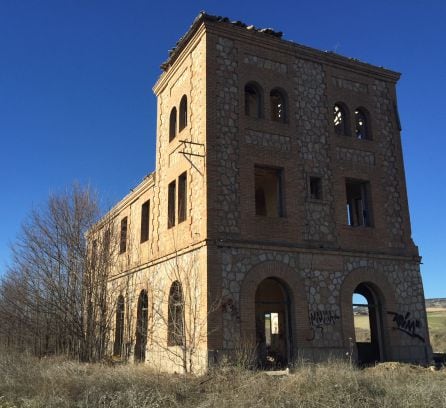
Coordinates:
(273,329)
(368,326)
(142,317)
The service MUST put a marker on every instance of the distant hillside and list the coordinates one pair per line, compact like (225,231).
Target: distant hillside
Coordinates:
(436,302)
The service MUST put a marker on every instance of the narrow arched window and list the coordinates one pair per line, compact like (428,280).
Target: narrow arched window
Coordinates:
(253,100)
(173,124)
(361,125)
(175,319)
(340,120)
(278,104)
(119,328)
(183,113)
(142,318)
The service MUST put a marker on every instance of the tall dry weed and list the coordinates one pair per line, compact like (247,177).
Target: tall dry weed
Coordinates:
(28,382)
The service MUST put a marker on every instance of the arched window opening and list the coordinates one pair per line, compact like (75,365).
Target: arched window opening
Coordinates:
(278,106)
(175,335)
(367,324)
(183,113)
(142,319)
(253,100)
(119,327)
(361,127)
(273,328)
(173,124)
(340,120)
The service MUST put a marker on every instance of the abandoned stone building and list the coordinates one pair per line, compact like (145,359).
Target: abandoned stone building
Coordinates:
(278,200)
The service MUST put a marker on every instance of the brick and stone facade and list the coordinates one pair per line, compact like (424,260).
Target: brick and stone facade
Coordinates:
(306,260)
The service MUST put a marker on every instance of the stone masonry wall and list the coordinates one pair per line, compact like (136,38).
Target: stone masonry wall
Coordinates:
(323,276)
(311,116)
(391,178)
(228,110)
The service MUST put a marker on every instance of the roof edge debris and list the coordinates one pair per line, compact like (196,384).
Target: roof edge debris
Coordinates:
(203,16)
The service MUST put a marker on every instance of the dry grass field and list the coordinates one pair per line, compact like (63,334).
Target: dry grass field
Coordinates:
(28,382)
(437,328)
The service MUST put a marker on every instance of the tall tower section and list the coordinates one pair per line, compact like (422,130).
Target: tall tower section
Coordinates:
(278,215)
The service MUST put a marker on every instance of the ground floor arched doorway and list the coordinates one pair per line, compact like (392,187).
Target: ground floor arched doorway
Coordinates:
(273,328)
(367,316)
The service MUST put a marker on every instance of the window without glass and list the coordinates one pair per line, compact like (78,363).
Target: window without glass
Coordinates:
(171,204)
(315,188)
(358,203)
(123,240)
(340,120)
(183,113)
(119,327)
(142,318)
(278,106)
(268,191)
(145,220)
(253,100)
(361,127)
(173,124)
(182,197)
(271,327)
(175,318)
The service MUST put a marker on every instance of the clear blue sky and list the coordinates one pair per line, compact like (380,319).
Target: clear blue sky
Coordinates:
(76,100)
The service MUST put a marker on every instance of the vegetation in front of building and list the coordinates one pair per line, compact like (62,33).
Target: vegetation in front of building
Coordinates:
(26,381)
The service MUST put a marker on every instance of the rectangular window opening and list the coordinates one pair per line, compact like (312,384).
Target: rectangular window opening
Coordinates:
(315,188)
(268,192)
(268,329)
(358,203)
(182,197)
(145,221)
(123,239)
(171,204)
(271,321)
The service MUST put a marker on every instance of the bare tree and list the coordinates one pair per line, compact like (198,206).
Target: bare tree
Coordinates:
(53,296)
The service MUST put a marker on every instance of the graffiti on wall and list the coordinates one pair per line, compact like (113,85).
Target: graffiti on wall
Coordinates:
(320,319)
(407,325)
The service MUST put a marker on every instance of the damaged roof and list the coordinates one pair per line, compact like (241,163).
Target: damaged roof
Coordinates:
(203,16)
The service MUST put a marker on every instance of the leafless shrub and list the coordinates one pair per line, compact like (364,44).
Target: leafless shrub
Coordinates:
(52,297)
